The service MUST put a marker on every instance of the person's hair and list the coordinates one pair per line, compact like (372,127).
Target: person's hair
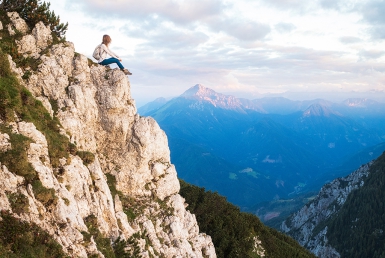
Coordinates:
(106,40)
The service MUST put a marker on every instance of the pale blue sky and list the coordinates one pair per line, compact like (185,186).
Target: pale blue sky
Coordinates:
(241,47)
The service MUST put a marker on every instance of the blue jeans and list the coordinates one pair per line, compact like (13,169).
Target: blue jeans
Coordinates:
(112,60)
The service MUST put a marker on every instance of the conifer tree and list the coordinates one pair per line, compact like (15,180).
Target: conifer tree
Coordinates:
(33,11)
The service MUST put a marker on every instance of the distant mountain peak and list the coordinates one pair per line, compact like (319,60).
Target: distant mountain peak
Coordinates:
(318,109)
(201,93)
(359,102)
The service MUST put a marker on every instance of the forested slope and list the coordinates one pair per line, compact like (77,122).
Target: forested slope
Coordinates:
(358,230)
(235,233)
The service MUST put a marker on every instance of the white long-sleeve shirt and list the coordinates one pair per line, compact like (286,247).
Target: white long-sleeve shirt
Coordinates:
(105,51)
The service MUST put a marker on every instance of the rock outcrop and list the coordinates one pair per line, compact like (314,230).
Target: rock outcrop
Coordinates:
(307,226)
(129,191)
(18,24)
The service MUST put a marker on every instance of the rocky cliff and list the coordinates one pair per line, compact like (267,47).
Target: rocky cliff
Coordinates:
(309,225)
(116,183)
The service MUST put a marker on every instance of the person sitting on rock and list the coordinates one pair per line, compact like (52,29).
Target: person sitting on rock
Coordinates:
(101,51)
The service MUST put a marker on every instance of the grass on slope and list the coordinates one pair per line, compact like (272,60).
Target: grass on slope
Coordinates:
(233,231)
(19,239)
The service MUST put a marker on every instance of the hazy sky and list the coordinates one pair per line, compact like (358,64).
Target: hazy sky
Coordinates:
(239,47)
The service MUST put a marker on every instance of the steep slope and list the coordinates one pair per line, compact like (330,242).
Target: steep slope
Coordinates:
(234,233)
(83,175)
(78,162)
(358,230)
(346,218)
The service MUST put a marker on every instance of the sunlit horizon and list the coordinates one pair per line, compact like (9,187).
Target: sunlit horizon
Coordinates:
(242,48)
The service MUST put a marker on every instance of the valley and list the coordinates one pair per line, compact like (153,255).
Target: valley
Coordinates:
(262,152)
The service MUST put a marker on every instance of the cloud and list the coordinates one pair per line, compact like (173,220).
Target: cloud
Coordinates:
(378,32)
(254,67)
(180,12)
(284,27)
(162,36)
(373,13)
(350,40)
(174,44)
(296,68)
(340,5)
(148,15)
(178,39)
(241,29)
(286,4)
(371,54)
(330,4)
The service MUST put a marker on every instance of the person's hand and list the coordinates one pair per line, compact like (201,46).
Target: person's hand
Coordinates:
(120,59)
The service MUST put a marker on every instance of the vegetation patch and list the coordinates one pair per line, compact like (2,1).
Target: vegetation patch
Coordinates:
(8,43)
(103,244)
(91,63)
(66,201)
(121,250)
(16,159)
(19,239)
(19,202)
(131,207)
(34,11)
(43,194)
(233,231)
(15,99)
(86,156)
(357,230)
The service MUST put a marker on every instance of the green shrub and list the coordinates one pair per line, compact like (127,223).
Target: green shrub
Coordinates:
(15,99)
(86,156)
(130,207)
(44,195)
(232,231)
(103,244)
(19,239)
(16,159)
(19,202)
(33,11)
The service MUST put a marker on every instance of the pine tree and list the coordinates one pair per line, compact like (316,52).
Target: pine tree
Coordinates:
(33,11)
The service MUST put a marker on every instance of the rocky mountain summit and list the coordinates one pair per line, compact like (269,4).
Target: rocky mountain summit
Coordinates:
(308,225)
(117,183)
(319,110)
(203,94)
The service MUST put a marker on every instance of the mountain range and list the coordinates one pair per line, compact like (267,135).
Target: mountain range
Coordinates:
(260,150)
(83,175)
(346,218)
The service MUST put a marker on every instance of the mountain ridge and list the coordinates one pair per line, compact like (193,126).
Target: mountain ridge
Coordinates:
(287,154)
(336,223)
(83,174)
(271,105)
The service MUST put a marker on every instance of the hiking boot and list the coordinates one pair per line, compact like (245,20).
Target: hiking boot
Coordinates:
(126,72)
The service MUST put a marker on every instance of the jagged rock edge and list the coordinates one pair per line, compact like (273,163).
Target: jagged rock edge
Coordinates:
(51,80)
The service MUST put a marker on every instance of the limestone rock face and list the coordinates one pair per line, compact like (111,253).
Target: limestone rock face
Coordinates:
(34,43)
(302,224)
(42,35)
(4,142)
(130,190)
(17,23)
